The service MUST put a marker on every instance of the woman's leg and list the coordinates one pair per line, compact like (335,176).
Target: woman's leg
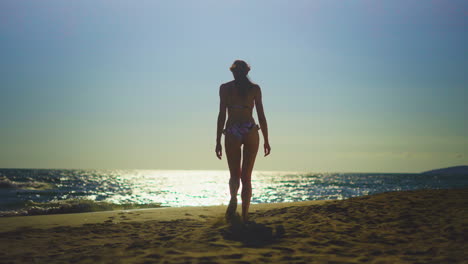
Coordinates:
(233,154)
(249,154)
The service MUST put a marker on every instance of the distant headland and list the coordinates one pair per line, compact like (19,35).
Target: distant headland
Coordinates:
(456,170)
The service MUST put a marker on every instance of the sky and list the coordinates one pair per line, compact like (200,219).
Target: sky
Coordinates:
(348,86)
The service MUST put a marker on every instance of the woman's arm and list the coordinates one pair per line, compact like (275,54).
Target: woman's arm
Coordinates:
(221,120)
(262,120)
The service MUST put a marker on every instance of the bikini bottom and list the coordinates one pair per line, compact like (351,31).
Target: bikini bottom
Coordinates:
(239,130)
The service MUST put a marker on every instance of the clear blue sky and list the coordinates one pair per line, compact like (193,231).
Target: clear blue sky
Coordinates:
(348,85)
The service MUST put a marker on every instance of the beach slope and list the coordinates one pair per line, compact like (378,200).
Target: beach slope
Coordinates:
(424,226)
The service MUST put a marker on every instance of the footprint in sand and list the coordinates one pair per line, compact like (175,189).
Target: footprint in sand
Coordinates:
(218,245)
(232,256)
(284,249)
(165,238)
(172,251)
(155,256)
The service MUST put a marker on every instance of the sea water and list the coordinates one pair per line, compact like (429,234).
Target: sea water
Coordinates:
(46,191)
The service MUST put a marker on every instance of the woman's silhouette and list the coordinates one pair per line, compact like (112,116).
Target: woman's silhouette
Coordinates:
(239,97)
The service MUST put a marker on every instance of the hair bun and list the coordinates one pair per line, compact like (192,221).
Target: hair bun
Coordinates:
(240,66)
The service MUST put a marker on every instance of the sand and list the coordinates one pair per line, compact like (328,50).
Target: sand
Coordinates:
(425,226)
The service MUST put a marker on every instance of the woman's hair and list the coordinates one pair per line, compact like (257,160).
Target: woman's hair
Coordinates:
(240,69)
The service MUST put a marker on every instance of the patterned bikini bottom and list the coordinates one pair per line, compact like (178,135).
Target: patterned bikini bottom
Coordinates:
(239,130)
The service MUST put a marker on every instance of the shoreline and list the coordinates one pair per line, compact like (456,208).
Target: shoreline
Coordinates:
(11,223)
(422,226)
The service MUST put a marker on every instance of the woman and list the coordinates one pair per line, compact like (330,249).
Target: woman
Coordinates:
(239,97)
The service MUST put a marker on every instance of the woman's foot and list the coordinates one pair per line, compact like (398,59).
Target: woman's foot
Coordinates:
(231,210)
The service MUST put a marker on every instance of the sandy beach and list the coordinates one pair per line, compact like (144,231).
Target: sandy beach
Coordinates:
(425,226)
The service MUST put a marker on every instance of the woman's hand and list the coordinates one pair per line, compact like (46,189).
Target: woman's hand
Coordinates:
(219,150)
(267,148)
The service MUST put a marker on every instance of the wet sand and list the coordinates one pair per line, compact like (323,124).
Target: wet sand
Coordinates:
(425,226)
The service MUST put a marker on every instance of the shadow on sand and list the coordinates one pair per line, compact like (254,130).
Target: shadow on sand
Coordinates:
(251,234)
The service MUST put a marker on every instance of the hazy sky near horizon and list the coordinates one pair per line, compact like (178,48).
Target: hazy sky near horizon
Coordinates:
(368,86)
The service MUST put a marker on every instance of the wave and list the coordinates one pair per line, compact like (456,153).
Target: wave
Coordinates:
(6,183)
(72,206)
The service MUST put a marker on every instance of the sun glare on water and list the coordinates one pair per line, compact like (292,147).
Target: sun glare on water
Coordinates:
(175,188)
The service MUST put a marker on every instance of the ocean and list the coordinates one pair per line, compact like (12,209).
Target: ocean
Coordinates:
(50,191)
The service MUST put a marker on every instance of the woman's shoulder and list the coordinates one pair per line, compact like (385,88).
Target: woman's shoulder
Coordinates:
(224,88)
(227,84)
(256,88)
